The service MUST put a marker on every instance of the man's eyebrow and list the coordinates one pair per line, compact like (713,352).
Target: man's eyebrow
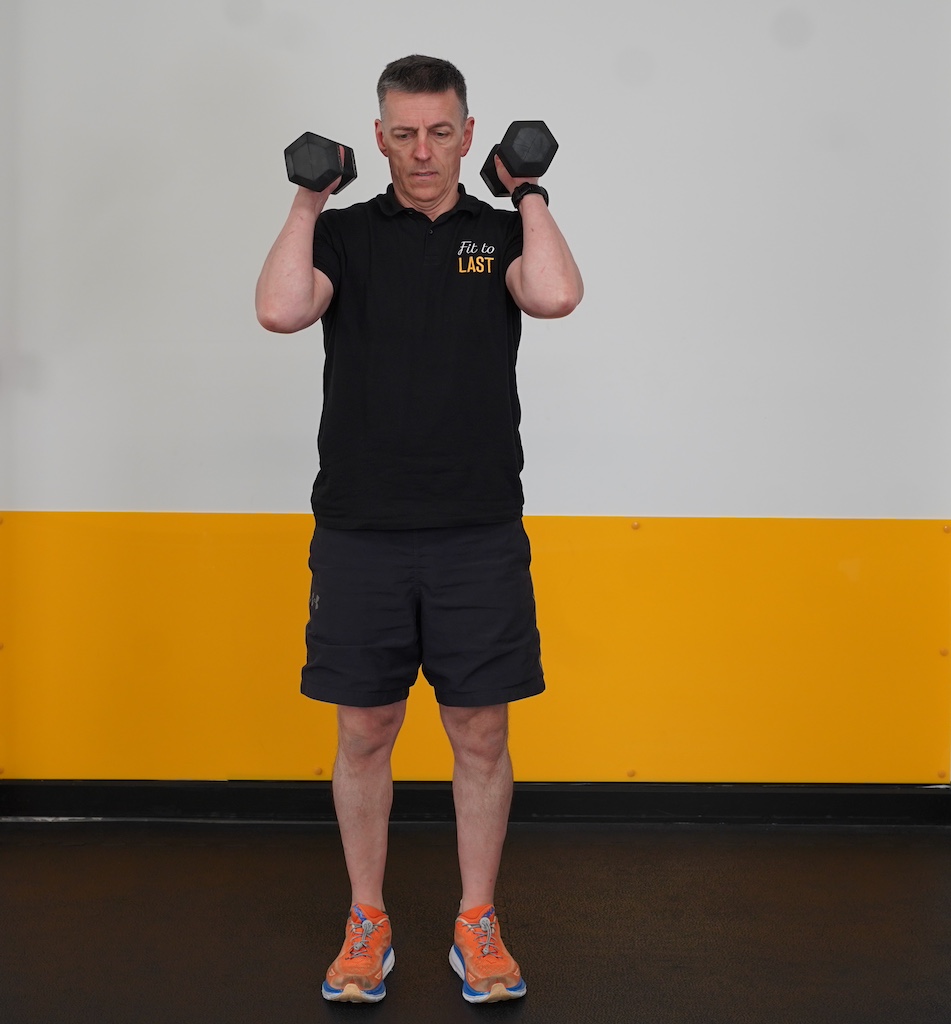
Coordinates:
(429,127)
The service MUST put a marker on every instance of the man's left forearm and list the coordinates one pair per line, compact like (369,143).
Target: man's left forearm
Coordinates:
(549,283)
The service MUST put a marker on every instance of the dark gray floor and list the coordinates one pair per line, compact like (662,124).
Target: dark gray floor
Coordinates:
(234,923)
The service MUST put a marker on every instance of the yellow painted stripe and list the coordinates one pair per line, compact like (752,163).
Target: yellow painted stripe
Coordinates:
(168,646)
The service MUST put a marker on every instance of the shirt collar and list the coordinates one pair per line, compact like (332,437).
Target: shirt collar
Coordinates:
(391,206)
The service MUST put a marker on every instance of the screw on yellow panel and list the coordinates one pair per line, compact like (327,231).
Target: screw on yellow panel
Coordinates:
(947,529)
(635,526)
(318,771)
(942,775)
(631,774)
(943,652)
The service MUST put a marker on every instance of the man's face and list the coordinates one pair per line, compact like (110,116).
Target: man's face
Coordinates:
(424,138)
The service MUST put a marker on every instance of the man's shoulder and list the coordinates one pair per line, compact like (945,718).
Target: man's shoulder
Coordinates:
(480,208)
(355,211)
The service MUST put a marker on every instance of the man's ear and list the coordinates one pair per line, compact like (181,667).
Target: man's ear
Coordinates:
(378,129)
(467,135)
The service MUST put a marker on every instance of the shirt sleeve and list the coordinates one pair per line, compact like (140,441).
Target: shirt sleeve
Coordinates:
(327,247)
(513,241)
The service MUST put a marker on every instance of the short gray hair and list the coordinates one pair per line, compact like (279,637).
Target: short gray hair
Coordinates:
(417,73)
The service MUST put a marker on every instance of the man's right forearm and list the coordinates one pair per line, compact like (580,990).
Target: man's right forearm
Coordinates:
(287,297)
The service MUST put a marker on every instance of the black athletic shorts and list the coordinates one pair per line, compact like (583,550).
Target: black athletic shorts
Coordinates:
(457,601)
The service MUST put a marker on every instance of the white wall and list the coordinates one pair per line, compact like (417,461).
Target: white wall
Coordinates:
(8,248)
(757,193)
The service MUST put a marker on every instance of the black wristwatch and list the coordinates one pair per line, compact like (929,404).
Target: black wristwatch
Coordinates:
(526,189)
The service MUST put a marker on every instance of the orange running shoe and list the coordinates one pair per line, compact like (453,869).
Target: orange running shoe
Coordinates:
(367,957)
(479,957)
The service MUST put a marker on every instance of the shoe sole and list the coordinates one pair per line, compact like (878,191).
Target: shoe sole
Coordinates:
(496,994)
(353,993)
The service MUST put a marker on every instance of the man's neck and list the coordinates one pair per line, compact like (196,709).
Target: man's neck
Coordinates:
(434,210)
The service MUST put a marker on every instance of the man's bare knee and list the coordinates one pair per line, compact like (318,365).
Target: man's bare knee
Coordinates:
(479,734)
(365,733)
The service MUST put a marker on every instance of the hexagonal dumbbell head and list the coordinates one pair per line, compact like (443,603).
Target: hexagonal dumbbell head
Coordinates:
(315,162)
(491,176)
(527,150)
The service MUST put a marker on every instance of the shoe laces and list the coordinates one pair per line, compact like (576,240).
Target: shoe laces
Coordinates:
(484,932)
(360,946)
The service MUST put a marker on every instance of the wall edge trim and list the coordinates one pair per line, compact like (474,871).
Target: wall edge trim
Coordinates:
(883,805)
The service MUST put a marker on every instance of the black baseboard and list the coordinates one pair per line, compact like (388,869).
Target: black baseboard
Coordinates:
(648,803)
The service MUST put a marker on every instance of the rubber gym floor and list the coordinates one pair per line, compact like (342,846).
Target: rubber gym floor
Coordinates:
(235,923)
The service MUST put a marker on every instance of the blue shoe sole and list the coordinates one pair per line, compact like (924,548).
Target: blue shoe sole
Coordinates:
(496,994)
(353,994)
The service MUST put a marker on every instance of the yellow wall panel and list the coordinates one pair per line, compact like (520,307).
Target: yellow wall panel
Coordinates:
(160,646)
(741,650)
(168,646)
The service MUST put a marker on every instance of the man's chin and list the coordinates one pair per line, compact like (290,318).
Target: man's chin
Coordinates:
(423,193)
(425,184)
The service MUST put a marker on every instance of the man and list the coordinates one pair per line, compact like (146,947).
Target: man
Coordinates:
(419,557)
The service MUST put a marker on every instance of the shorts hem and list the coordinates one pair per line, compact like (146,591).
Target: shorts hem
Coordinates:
(353,700)
(490,698)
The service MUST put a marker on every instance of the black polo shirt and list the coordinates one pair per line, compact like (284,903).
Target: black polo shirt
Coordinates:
(420,415)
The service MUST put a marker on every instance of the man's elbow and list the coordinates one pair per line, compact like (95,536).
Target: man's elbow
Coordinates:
(280,321)
(558,305)
(275,324)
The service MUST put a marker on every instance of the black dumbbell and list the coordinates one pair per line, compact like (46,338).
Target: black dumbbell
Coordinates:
(314,162)
(526,150)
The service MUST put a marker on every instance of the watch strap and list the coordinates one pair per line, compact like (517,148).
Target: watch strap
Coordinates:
(527,188)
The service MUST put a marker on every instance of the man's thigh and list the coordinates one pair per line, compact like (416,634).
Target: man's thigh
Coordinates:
(480,641)
(362,636)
